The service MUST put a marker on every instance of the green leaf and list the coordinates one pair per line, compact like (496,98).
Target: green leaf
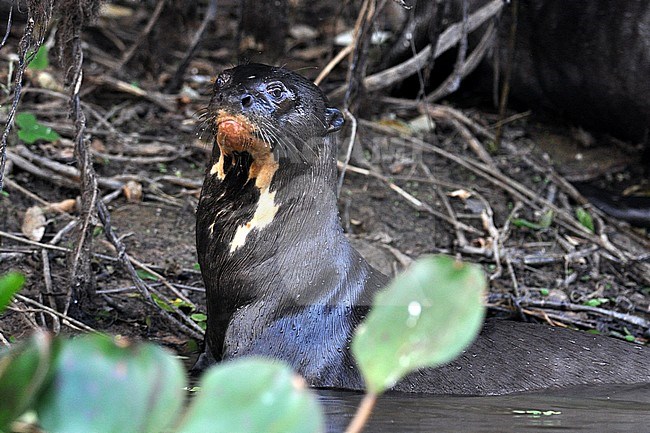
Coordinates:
(30,131)
(596,302)
(25,120)
(179,303)
(424,318)
(520,222)
(199,317)
(160,303)
(146,275)
(10,284)
(585,219)
(40,61)
(253,395)
(103,385)
(544,292)
(24,369)
(544,221)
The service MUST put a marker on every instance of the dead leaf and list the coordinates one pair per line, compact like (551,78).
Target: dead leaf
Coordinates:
(65,206)
(249,43)
(397,124)
(422,124)
(303,32)
(34,223)
(462,194)
(98,145)
(133,191)
(47,81)
(115,11)
(397,167)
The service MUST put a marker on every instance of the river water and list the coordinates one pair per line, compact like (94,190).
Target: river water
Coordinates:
(583,409)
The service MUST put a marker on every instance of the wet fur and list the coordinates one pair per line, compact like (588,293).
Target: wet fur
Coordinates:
(296,290)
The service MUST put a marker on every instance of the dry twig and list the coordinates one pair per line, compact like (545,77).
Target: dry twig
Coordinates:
(348,153)
(448,39)
(146,30)
(176,80)
(65,319)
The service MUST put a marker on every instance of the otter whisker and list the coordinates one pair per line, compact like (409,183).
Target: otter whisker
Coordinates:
(289,147)
(282,146)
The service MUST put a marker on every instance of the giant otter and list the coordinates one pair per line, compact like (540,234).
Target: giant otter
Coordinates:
(283,281)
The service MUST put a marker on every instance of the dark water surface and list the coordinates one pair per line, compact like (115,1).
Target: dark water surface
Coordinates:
(588,409)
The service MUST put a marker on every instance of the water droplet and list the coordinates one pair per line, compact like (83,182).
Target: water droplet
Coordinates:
(415,308)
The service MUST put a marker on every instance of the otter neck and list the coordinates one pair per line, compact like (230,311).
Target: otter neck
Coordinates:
(268,171)
(254,194)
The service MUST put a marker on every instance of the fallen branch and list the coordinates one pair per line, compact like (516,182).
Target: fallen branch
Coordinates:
(448,39)
(567,306)
(451,84)
(65,319)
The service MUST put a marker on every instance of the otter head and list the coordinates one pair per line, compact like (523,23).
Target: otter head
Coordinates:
(261,109)
(272,135)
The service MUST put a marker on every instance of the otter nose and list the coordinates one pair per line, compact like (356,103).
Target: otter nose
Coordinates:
(246,100)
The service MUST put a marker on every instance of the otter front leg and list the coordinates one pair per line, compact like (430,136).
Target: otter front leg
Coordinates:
(214,341)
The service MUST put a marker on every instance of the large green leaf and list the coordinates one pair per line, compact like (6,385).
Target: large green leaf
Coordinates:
(424,318)
(30,130)
(253,395)
(10,284)
(24,369)
(103,385)
(40,60)
(585,219)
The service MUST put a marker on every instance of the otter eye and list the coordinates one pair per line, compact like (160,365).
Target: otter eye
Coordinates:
(276,90)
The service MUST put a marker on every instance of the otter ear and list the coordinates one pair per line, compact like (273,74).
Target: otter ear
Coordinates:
(334,119)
